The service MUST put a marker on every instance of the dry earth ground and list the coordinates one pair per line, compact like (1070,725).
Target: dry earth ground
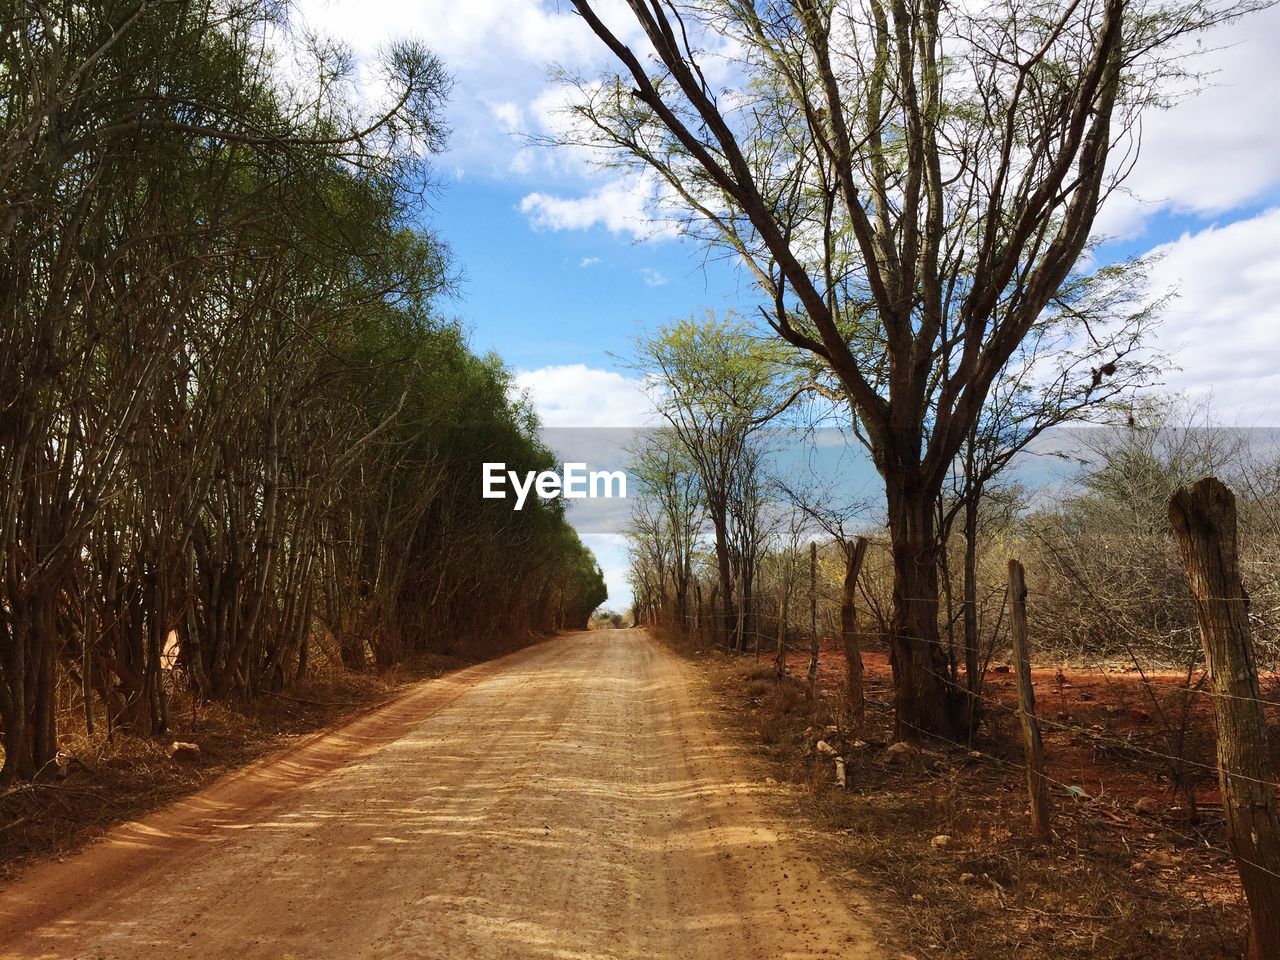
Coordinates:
(574,799)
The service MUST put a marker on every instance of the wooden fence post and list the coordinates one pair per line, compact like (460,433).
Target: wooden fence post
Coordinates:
(849,629)
(780,659)
(1204,524)
(1037,786)
(813,619)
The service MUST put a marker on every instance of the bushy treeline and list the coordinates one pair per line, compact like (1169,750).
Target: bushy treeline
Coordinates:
(1107,585)
(232,425)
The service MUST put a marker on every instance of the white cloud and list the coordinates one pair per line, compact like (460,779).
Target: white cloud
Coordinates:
(1224,327)
(1213,152)
(652,278)
(589,262)
(1217,150)
(509,115)
(498,52)
(575,395)
(620,206)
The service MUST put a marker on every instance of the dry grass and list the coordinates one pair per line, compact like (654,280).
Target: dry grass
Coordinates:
(1107,886)
(108,781)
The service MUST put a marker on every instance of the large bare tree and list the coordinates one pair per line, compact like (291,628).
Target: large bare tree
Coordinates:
(912,184)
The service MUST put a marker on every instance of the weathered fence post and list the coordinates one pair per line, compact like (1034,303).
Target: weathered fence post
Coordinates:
(780,659)
(1037,786)
(813,619)
(1204,524)
(849,629)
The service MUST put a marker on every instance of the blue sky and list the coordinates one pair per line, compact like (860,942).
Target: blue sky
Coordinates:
(562,270)
(544,297)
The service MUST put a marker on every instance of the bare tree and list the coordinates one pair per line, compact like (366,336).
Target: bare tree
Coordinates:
(912,185)
(714,383)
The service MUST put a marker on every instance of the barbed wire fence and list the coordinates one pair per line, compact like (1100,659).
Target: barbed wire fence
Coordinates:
(1218,669)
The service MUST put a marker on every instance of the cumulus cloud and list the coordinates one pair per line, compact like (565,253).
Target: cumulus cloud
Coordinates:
(498,52)
(1224,326)
(1215,150)
(652,278)
(1212,154)
(588,262)
(508,114)
(575,395)
(620,206)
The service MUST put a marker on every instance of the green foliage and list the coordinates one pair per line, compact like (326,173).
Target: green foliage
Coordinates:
(229,412)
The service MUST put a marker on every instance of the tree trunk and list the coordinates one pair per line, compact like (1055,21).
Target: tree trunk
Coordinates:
(813,619)
(972,669)
(925,702)
(780,660)
(728,619)
(1033,746)
(18,762)
(740,638)
(849,629)
(1204,523)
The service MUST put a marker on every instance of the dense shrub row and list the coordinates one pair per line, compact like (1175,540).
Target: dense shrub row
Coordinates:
(232,422)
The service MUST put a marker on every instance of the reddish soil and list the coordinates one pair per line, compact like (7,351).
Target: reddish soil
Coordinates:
(1120,879)
(1116,733)
(574,799)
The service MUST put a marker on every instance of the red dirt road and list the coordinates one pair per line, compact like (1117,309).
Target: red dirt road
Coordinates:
(569,800)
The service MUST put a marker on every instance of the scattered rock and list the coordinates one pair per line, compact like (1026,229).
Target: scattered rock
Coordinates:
(179,750)
(1147,806)
(901,751)
(940,842)
(1085,696)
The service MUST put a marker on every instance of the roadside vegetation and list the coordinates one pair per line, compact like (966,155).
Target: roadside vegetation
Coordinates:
(916,190)
(1139,860)
(239,439)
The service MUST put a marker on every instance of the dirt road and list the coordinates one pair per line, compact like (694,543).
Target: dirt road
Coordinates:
(571,800)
